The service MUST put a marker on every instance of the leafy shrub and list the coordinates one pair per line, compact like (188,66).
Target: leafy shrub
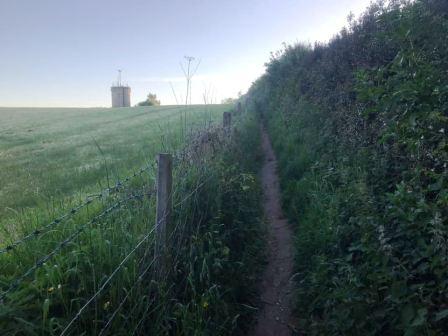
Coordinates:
(359,126)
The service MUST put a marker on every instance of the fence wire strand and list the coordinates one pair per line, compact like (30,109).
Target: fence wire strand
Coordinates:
(72,212)
(183,159)
(16,283)
(108,280)
(193,154)
(122,302)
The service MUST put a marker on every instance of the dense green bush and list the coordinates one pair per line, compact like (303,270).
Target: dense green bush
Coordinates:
(224,257)
(359,126)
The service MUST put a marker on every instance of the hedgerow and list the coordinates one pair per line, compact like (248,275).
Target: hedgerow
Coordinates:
(359,126)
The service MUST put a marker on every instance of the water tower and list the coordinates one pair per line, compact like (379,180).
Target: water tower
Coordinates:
(121,94)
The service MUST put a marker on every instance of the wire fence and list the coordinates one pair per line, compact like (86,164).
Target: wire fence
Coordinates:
(201,145)
(119,185)
(41,262)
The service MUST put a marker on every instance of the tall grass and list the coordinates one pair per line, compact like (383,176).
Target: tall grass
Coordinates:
(215,257)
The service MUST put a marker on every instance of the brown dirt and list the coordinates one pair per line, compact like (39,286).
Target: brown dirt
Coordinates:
(274,317)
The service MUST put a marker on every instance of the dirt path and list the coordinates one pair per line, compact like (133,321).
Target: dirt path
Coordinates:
(275,313)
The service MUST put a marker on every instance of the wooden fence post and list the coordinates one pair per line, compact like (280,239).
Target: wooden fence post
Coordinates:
(164,227)
(226,120)
(238,108)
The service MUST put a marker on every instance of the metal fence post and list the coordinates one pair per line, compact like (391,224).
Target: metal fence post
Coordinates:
(163,208)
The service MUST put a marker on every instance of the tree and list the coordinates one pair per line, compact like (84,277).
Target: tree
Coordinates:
(228,101)
(151,100)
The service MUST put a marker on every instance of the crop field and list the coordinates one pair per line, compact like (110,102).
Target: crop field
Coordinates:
(50,157)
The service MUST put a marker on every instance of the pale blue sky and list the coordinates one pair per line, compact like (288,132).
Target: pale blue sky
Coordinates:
(66,52)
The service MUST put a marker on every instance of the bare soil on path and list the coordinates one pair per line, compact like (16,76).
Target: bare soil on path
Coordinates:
(274,317)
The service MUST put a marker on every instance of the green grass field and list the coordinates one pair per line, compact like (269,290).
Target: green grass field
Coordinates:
(50,157)
(96,270)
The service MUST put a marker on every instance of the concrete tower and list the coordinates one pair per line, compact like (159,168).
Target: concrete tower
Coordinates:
(121,94)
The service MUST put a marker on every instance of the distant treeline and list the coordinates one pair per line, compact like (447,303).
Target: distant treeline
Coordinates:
(360,127)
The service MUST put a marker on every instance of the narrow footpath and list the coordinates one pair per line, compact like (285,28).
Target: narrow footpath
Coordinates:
(274,317)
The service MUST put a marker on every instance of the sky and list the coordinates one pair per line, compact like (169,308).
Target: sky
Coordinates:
(66,53)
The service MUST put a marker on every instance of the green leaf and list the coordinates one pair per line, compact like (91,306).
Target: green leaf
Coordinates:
(421,317)
(435,186)
(441,315)
(407,314)
(398,290)
(412,120)
(45,310)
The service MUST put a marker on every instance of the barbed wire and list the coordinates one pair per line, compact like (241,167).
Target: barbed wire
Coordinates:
(192,193)
(181,157)
(174,261)
(66,241)
(90,199)
(198,142)
(122,302)
(140,277)
(73,211)
(108,280)
(178,232)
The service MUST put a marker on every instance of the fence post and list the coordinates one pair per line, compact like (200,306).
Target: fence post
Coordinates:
(238,108)
(163,207)
(226,120)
